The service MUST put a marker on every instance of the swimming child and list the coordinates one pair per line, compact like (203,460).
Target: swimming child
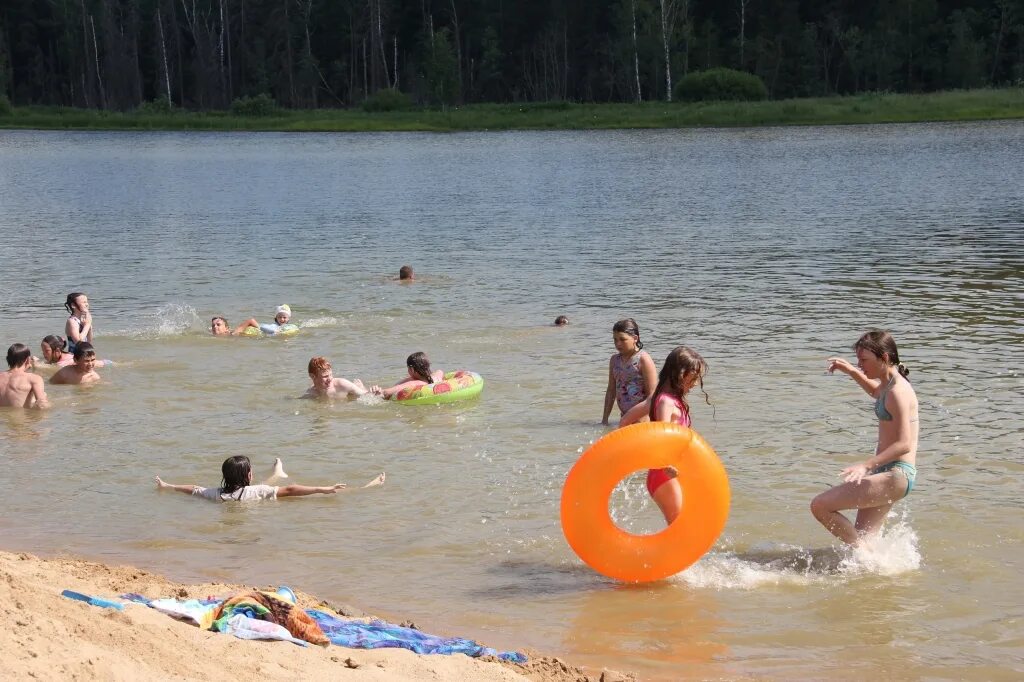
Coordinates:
(219,326)
(237,485)
(18,386)
(283,314)
(54,353)
(420,374)
(405,274)
(561,321)
(874,485)
(684,368)
(631,371)
(78,328)
(326,385)
(82,371)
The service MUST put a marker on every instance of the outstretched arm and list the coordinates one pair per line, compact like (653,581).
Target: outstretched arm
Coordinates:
(636,414)
(302,490)
(351,388)
(187,489)
(251,322)
(870,386)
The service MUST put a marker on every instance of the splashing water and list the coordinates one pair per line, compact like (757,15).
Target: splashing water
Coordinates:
(316,322)
(170,319)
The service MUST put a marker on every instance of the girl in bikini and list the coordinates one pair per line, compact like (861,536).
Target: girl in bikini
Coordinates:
(874,485)
(684,368)
(631,371)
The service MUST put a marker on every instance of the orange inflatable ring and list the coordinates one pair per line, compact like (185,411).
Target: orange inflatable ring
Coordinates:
(593,535)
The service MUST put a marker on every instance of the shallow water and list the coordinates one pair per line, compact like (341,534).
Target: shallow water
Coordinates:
(767,250)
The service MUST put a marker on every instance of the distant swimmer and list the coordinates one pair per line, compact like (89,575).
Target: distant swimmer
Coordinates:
(684,368)
(405,274)
(874,485)
(82,370)
(326,385)
(631,371)
(420,374)
(561,321)
(237,485)
(78,328)
(18,386)
(219,326)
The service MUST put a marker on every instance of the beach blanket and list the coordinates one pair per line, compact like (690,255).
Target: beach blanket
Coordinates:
(378,634)
(269,607)
(354,634)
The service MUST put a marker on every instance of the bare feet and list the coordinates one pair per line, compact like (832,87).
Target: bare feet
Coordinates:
(375,482)
(278,471)
(160,484)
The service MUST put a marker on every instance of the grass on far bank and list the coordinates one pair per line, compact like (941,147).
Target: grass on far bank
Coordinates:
(958,105)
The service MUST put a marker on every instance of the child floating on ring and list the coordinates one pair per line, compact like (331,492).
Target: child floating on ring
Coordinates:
(420,374)
(326,385)
(282,316)
(684,368)
(237,484)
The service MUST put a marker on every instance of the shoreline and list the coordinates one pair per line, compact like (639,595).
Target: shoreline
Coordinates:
(47,635)
(862,109)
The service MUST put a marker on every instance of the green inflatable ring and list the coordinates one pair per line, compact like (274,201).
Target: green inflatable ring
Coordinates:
(456,386)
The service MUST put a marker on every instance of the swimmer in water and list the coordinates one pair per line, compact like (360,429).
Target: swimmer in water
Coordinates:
(82,371)
(405,274)
(237,485)
(874,485)
(18,386)
(281,318)
(54,353)
(219,326)
(326,385)
(420,374)
(561,321)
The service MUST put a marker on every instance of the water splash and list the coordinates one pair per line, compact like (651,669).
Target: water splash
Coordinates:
(170,319)
(315,322)
(893,552)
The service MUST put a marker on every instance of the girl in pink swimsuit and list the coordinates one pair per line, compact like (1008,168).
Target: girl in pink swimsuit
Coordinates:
(684,368)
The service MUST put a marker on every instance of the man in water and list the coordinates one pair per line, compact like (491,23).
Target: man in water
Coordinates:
(83,371)
(326,385)
(18,387)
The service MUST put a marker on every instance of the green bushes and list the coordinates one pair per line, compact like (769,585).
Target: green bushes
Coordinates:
(388,99)
(721,84)
(5,106)
(161,105)
(255,106)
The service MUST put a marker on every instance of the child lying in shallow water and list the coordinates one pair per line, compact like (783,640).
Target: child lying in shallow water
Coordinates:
(237,484)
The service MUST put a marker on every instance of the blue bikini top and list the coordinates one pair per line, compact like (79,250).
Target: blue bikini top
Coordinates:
(880,410)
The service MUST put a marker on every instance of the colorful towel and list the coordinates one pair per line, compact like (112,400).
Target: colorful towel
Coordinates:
(270,607)
(378,634)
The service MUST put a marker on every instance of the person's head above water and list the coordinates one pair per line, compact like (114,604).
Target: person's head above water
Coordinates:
(18,355)
(237,473)
(561,321)
(77,302)
(875,351)
(283,314)
(85,356)
(219,326)
(419,367)
(405,272)
(53,348)
(683,369)
(321,373)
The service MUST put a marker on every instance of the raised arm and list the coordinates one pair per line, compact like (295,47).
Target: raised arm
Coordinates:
(870,386)
(301,490)
(251,322)
(609,395)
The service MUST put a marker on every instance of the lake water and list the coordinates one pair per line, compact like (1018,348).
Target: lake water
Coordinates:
(766,250)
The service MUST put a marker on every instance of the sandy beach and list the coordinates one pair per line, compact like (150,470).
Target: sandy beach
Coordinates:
(47,636)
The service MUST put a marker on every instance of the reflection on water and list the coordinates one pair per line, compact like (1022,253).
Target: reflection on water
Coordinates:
(767,250)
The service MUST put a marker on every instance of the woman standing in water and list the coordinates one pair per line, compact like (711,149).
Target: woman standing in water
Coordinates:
(874,485)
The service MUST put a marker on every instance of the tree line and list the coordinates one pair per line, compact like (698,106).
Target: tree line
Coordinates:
(204,54)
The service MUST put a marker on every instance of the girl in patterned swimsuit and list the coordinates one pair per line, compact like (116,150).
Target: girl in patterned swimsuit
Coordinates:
(631,371)
(874,485)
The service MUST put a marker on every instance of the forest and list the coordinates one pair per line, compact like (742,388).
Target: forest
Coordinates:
(309,54)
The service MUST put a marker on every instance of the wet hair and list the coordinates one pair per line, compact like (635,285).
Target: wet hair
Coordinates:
(405,272)
(561,320)
(680,360)
(628,326)
(235,471)
(56,344)
(883,346)
(84,349)
(319,364)
(17,355)
(70,303)
(420,366)
(219,317)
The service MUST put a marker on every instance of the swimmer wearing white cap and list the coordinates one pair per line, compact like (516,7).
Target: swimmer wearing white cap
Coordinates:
(281,318)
